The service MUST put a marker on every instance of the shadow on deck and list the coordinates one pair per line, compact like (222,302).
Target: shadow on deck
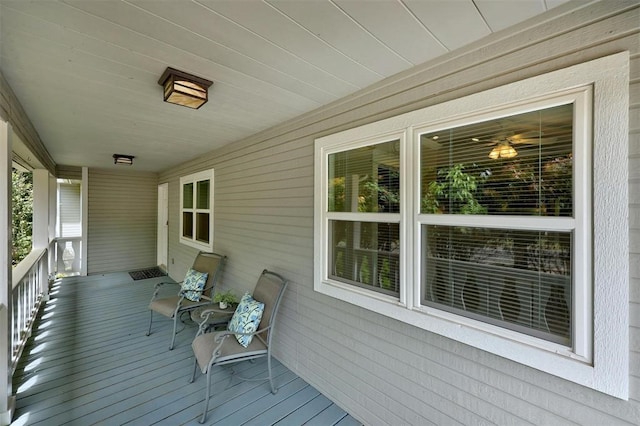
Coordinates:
(89,362)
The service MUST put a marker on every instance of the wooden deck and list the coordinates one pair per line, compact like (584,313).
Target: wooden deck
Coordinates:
(89,362)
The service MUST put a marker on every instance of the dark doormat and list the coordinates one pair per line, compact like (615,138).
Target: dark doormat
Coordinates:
(147,273)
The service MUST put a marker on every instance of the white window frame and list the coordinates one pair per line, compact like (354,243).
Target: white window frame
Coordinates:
(599,355)
(579,223)
(194,179)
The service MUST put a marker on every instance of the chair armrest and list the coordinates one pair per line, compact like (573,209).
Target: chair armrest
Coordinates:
(157,287)
(223,334)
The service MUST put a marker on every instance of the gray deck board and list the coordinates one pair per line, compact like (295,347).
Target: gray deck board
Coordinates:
(305,412)
(277,412)
(89,362)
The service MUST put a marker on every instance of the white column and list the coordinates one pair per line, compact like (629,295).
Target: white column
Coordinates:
(53,217)
(7,401)
(40,208)
(41,223)
(84,206)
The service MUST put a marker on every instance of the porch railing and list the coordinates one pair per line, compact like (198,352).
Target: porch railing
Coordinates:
(30,283)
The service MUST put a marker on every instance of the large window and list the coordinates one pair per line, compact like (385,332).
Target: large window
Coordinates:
(497,219)
(196,210)
(493,220)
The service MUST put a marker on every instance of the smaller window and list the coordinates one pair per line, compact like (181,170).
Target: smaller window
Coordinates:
(363,203)
(196,212)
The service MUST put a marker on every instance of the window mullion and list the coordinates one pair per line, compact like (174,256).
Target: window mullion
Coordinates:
(364,217)
(501,222)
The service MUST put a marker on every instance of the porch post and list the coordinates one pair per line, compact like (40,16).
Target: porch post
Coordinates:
(7,400)
(53,217)
(40,208)
(84,207)
(41,223)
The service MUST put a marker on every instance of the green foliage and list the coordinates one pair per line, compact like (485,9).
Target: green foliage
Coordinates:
(22,215)
(365,272)
(374,192)
(227,297)
(454,192)
(336,194)
(385,275)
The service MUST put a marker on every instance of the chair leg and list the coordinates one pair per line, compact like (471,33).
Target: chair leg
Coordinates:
(195,369)
(150,321)
(273,388)
(206,398)
(175,326)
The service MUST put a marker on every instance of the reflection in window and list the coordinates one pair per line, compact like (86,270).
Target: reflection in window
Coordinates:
(365,180)
(187,195)
(464,172)
(366,254)
(516,279)
(203,194)
(520,165)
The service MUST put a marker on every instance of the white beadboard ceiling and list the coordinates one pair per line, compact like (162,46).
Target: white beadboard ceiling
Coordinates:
(86,71)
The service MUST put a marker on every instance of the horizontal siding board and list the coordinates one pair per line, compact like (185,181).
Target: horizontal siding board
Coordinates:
(301,176)
(295,221)
(263,202)
(282,152)
(119,237)
(292,187)
(407,366)
(68,172)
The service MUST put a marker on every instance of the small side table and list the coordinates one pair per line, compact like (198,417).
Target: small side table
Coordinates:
(219,317)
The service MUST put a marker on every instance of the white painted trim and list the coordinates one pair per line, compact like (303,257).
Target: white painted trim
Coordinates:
(162,243)
(606,369)
(40,208)
(41,201)
(6,287)
(194,178)
(84,206)
(53,208)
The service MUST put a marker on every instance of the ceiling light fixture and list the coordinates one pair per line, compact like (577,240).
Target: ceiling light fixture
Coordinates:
(503,150)
(184,89)
(127,160)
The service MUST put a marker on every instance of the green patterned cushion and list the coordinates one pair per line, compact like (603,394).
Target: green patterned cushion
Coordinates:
(246,319)
(193,284)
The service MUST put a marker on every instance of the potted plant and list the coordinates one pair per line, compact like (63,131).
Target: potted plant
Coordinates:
(224,299)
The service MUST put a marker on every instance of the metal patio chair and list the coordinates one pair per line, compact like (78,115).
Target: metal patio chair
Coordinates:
(188,299)
(224,347)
